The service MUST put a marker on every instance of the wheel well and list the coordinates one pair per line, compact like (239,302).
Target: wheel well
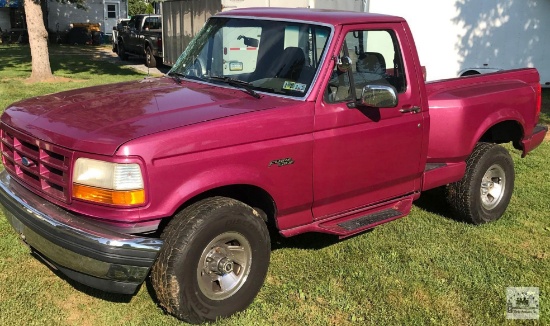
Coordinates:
(251,195)
(504,132)
(470,73)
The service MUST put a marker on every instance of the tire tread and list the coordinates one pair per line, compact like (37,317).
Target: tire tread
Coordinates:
(459,194)
(179,232)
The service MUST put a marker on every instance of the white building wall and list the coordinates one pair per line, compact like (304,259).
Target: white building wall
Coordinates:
(65,14)
(455,36)
(433,29)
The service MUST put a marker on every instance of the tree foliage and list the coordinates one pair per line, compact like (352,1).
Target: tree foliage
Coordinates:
(150,9)
(80,4)
(136,7)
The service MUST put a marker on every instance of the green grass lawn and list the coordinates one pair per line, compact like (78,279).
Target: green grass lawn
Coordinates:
(423,269)
(82,66)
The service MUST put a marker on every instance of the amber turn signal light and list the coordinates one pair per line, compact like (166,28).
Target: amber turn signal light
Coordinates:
(107,196)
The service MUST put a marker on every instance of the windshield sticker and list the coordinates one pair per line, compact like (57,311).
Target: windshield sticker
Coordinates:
(292,86)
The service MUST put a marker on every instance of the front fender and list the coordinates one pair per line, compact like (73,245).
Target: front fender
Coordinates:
(228,175)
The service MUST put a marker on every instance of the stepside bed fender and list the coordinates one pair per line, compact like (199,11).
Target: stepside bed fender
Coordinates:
(501,126)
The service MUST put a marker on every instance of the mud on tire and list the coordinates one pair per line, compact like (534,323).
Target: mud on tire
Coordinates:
(213,262)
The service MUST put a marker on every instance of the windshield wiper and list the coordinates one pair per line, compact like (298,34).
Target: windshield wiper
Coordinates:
(177,76)
(236,83)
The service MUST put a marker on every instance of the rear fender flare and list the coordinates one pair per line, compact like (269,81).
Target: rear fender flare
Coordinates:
(495,118)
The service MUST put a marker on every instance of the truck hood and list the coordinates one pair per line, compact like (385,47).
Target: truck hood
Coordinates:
(100,119)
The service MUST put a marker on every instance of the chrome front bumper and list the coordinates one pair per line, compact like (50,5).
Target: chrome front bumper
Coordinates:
(77,246)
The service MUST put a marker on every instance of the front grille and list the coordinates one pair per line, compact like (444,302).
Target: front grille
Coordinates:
(41,165)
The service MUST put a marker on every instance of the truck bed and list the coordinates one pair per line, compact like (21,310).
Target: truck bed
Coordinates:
(463,109)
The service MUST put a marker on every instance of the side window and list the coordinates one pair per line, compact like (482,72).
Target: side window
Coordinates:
(152,23)
(376,60)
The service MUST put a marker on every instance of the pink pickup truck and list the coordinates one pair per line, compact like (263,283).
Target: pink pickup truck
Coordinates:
(300,120)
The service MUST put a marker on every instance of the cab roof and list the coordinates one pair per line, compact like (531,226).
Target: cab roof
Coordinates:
(327,16)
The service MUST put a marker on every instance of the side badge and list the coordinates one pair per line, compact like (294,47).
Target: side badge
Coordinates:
(281,162)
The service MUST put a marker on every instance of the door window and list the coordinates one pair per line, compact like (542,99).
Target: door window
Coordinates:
(375,60)
(111,11)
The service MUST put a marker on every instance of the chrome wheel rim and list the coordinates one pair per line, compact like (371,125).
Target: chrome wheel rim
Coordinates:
(224,265)
(493,186)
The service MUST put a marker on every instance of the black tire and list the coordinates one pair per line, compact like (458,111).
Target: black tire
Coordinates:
(200,249)
(122,51)
(150,59)
(484,192)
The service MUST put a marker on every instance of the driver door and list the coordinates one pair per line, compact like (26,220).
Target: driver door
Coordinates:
(366,155)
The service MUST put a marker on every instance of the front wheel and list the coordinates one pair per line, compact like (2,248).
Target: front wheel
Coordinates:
(484,192)
(214,260)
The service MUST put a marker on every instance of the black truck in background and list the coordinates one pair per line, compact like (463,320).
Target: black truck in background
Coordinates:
(143,37)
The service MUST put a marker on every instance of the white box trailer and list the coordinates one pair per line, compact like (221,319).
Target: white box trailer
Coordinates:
(182,19)
(464,37)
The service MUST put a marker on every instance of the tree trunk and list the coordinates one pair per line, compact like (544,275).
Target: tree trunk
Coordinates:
(38,40)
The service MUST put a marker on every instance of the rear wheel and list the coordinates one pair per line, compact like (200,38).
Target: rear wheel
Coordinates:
(484,192)
(150,60)
(214,260)
(470,73)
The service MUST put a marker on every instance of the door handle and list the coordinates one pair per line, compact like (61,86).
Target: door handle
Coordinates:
(414,109)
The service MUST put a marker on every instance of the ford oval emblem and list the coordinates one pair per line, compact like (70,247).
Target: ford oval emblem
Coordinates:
(26,162)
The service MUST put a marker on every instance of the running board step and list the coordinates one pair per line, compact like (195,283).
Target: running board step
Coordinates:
(361,220)
(369,219)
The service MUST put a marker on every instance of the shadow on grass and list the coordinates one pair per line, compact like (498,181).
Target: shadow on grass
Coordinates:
(69,59)
(308,241)
(112,297)
(435,201)
(432,201)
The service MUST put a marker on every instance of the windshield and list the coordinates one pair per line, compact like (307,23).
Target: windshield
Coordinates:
(269,56)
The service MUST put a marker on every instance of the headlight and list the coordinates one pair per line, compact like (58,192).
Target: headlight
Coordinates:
(108,183)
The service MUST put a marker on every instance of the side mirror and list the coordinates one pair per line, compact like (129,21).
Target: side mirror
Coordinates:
(249,41)
(379,96)
(344,64)
(114,28)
